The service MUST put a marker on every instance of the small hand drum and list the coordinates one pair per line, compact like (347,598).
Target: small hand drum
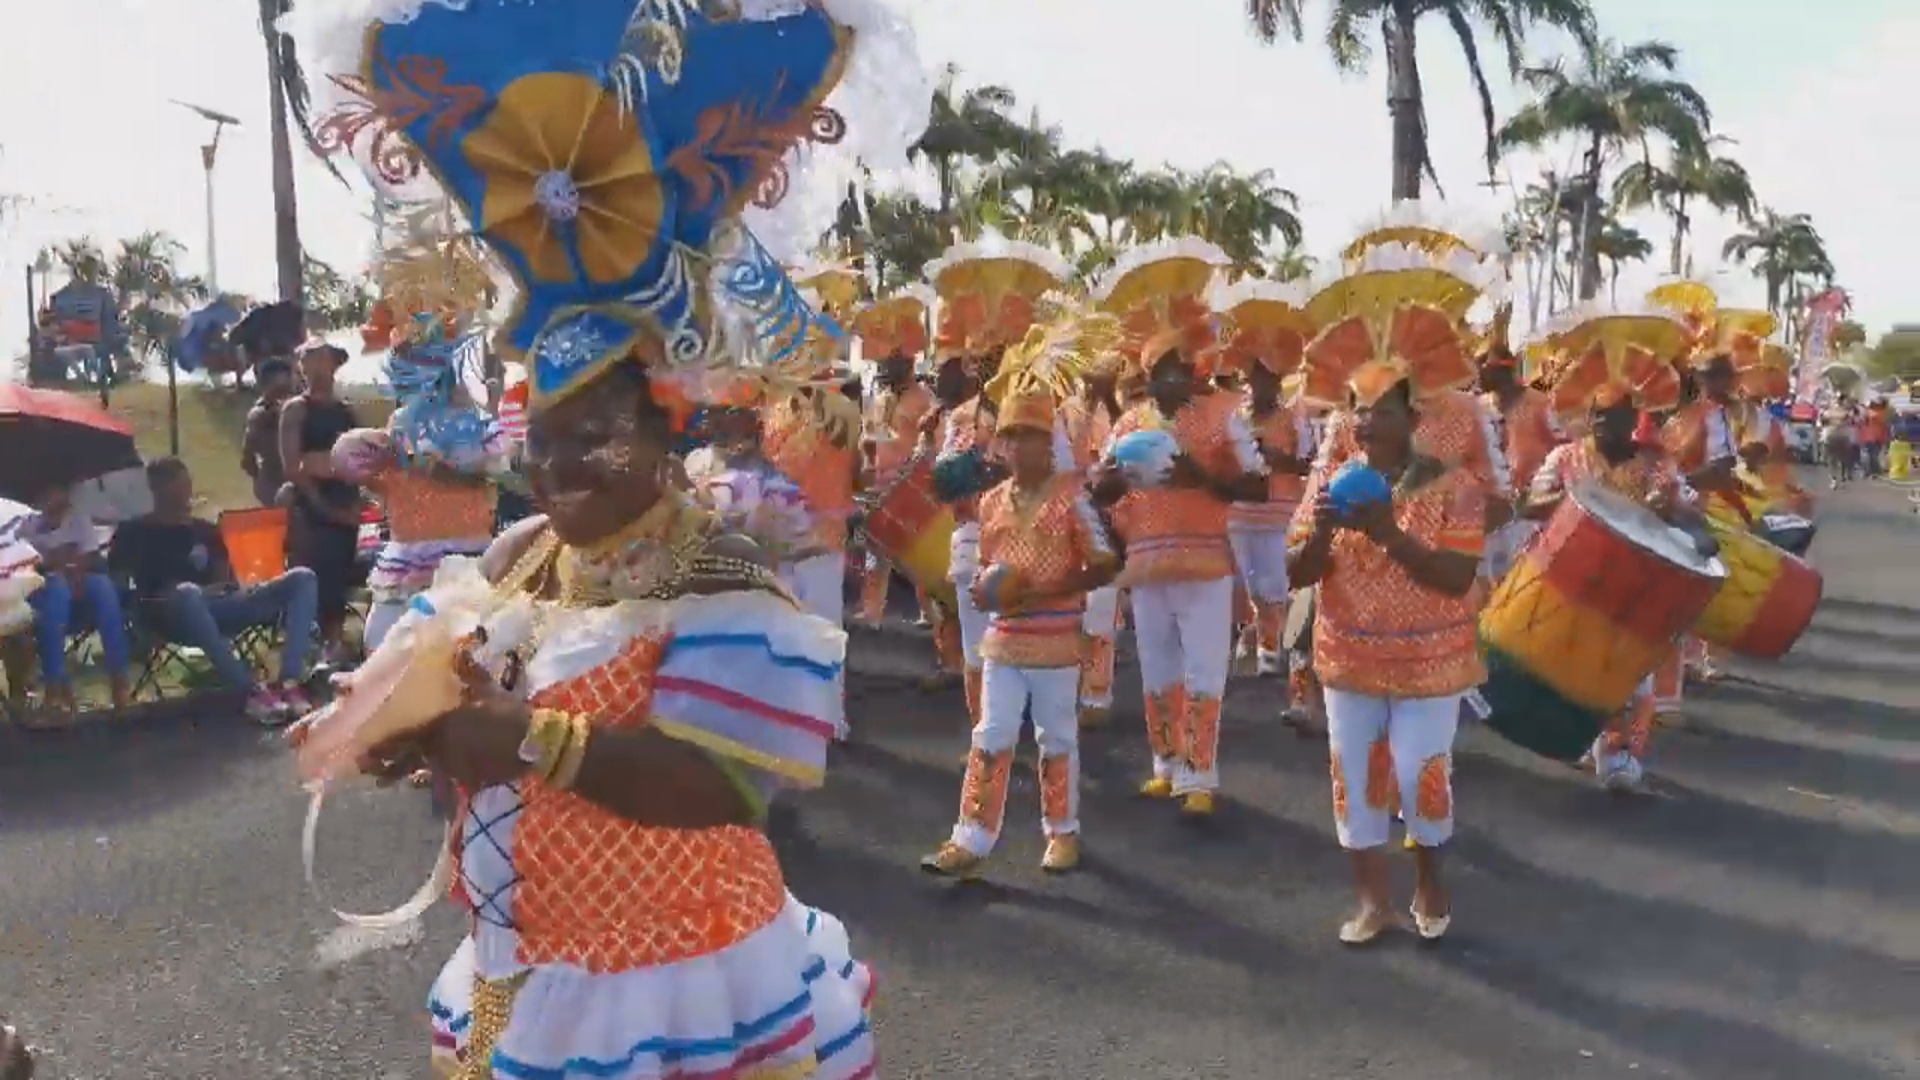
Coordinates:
(1358,484)
(1146,457)
(999,584)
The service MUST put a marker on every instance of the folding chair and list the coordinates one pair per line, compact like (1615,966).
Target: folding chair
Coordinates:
(256,541)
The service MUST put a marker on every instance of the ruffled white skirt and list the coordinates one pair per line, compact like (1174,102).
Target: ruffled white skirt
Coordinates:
(786,1003)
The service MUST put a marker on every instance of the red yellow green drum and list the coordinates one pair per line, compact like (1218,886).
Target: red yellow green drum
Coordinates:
(1768,599)
(1591,607)
(914,530)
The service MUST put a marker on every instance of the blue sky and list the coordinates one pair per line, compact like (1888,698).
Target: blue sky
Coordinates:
(1818,99)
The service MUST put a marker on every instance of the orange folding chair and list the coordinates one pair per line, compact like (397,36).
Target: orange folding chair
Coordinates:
(256,542)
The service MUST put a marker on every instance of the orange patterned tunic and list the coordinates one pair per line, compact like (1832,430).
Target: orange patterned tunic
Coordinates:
(1042,538)
(823,472)
(1638,478)
(1376,631)
(1180,534)
(1287,430)
(1088,427)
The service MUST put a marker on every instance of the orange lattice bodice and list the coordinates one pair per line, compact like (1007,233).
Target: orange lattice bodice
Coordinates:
(1043,543)
(1278,430)
(606,894)
(421,508)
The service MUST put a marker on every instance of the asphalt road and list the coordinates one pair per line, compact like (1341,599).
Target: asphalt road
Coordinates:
(1753,919)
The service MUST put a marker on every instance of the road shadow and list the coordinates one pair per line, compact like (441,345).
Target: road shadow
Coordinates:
(1831,712)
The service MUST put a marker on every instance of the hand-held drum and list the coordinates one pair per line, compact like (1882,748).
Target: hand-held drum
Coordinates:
(1767,601)
(913,529)
(1588,611)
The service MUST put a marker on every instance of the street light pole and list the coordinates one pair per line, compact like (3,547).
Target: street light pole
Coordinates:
(208,153)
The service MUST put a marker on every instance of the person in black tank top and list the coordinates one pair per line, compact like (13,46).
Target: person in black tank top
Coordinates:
(323,526)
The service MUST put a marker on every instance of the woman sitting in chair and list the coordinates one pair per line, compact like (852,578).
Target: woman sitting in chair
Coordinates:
(77,594)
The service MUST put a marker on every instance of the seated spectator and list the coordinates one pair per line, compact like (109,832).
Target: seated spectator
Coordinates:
(77,595)
(184,581)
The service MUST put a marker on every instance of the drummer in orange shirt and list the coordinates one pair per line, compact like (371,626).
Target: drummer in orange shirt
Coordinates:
(1528,433)
(892,432)
(1615,455)
(1088,417)
(1394,636)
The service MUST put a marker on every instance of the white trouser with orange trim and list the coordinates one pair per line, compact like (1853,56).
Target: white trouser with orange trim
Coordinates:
(1009,693)
(1382,749)
(1099,631)
(1184,634)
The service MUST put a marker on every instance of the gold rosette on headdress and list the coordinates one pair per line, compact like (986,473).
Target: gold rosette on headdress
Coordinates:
(1159,292)
(1396,316)
(1609,354)
(990,290)
(1042,369)
(895,326)
(1264,323)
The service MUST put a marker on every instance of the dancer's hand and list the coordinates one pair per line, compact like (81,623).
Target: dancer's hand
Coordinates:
(478,744)
(1375,520)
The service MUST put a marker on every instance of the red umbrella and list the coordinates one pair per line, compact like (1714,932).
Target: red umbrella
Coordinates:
(49,438)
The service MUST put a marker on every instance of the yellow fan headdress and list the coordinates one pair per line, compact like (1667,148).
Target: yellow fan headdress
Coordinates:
(1395,316)
(1159,293)
(1264,323)
(834,288)
(1610,354)
(433,276)
(990,290)
(1428,226)
(1044,367)
(896,325)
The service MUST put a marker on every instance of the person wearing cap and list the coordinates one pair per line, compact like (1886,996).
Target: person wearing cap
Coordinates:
(323,526)
(1042,549)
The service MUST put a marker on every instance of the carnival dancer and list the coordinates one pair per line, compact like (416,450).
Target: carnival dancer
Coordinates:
(1268,332)
(615,747)
(1088,416)
(732,477)
(1394,638)
(1042,549)
(895,416)
(1619,363)
(990,292)
(435,465)
(1528,432)
(808,435)
(1179,564)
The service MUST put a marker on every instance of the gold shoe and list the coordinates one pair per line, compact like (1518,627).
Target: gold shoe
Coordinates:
(1063,854)
(1094,716)
(1198,804)
(954,861)
(1408,843)
(1158,787)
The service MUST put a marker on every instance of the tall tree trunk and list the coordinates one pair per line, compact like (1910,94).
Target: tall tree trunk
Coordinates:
(286,211)
(1403,100)
(1681,223)
(1590,223)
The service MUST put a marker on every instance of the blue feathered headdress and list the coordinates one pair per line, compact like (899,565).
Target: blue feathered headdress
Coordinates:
(612,155)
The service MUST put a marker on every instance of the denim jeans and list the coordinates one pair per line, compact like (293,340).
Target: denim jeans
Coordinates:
(59,612)
(206,622)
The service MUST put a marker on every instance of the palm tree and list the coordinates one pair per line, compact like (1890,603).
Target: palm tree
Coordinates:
(1617,99)
(969,125)
(1617,245)
(287,101)
(1352,22)
(906,235)
(1786,252)
(1691,176)
(333,300)
(84,261)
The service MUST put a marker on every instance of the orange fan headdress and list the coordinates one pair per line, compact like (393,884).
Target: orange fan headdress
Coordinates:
(1396,316)
(1609,355)
(990,291)
(1768,376)
(1159,293)
(1430,227)
(896,325)
(1263,322)
(1739,334)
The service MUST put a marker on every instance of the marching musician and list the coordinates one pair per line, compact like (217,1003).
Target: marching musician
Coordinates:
(1257,530)
(894,417)
(802,440)
(1180,565)
(1528,433)
(1042,549)
(733,477)
(1612,455)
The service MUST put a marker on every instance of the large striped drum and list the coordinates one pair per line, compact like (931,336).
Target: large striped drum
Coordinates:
(913,529)
(1588,611)
(1768,599)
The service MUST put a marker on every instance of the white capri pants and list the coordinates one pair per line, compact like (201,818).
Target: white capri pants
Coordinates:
(1007,694)
(964,566)
(819,582)
(1183,632)
(1391,754)
(1261,557)
(380,620)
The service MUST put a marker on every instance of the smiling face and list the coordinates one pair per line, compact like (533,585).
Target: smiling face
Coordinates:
(596,459)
